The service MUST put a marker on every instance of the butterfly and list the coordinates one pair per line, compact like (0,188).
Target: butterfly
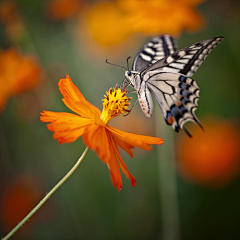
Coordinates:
(162,71)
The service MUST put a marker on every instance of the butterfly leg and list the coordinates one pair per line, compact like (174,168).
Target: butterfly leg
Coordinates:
(122,83)
(130,109)
(134,91)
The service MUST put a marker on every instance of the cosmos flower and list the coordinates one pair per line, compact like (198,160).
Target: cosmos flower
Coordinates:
(18,197)
(18,73)
(63,9)
(90,123)
(210,158)
(11,19)
(111,22)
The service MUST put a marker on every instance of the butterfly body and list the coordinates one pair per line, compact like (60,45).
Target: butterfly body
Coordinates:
(165,73)
(144,95)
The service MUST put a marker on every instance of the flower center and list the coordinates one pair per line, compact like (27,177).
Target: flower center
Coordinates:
(114,103)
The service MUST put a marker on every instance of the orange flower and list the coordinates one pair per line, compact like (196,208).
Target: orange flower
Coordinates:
(108,24)
(111,22)
(17,73)
(11,19)
(212,157)
(63,9)
(162,16)
(90,123)
(18,198)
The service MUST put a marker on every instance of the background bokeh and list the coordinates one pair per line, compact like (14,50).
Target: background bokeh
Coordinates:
(186,188)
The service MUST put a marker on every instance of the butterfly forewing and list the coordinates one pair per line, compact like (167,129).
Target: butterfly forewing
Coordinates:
(166,73)
(185,61)
(157,48)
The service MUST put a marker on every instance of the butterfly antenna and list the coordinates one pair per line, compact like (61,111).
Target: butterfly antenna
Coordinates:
(115,65)
(128,63)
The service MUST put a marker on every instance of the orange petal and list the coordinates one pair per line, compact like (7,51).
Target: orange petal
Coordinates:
(69,136)
(140,141)
(124,145)
(96,137)
(123,165)
(48,116)
(75,101)
(85,111)
(114,168)
(67,127)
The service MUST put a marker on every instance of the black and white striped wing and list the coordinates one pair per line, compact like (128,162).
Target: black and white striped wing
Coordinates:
(185,61)
(177,97)
(157,48)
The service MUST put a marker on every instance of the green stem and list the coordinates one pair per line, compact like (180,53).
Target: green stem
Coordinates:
(168,183)
(10,234)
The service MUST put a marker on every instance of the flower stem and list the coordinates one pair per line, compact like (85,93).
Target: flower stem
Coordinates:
(54,189)
(168,184)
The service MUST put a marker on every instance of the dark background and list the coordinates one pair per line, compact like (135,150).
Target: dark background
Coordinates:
(164,204)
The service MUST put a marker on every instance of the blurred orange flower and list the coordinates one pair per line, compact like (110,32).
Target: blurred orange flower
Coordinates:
(111,22)
(212,157)
(90,123)
(11,19)
(63,9)
(108,25)
(18,198)
(17,73)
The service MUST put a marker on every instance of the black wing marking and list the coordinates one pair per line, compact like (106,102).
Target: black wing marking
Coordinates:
(177,97)
(157,48)
(187,60)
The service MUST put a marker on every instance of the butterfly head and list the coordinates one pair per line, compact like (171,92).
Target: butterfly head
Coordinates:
(131,76)
(128,73)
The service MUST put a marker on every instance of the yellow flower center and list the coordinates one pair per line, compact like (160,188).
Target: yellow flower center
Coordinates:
(115,103)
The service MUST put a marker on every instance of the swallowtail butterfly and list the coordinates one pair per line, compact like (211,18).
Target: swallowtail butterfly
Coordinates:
(159,69)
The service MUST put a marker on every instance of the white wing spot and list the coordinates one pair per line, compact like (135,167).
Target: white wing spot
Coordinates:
(193,68)
(193,52)
(187,56)
(189,80)
(169,59)
(198,62)
(159,46)
(205,51)
(181,53)
(149,50)
(193,46)
(177,65)
(145,57)
(185,61)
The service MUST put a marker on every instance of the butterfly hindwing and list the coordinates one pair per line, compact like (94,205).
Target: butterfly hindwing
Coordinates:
(157,48)
(177,97)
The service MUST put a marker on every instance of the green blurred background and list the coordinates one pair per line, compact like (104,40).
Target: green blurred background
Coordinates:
(87,206)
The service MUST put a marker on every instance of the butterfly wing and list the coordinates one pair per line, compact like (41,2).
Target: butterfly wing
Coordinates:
(168,79)
(185,61)
(157,48)
(177,97)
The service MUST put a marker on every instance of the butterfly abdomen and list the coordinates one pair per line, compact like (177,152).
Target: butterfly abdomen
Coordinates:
(145,101)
